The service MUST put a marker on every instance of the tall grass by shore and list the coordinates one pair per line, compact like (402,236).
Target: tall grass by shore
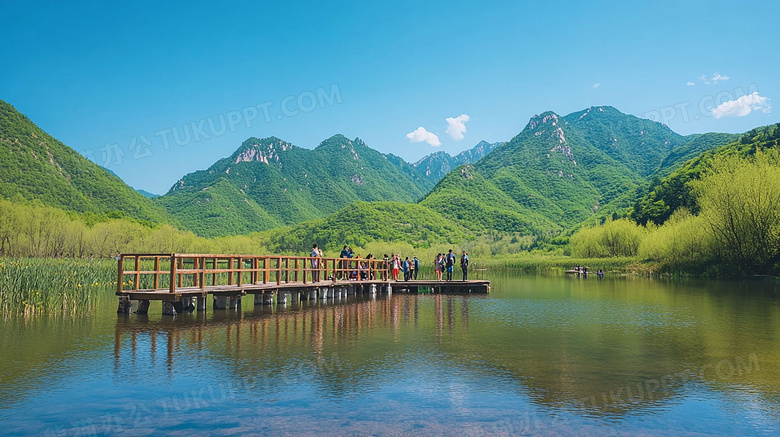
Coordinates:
(39,285)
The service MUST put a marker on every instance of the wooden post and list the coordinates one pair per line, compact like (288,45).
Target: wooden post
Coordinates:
(156,272)
(266,269)
(240,271)
(214,275)
(279,272)
(230,272)
(121,273)
(173,274)
(179,277)
(137,271)
(296,270)
(195,276)
(254,271)
(202,276)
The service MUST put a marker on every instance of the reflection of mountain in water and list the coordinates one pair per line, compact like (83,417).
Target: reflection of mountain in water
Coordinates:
(599,351)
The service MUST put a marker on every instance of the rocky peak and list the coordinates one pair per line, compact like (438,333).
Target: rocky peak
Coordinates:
(265,150)
(544,118)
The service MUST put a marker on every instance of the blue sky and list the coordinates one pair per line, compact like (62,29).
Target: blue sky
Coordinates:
(157,91)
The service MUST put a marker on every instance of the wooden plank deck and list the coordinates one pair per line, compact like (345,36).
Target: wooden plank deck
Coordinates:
(472,286)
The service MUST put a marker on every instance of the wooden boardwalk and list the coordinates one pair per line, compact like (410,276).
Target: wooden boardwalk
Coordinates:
(182,280)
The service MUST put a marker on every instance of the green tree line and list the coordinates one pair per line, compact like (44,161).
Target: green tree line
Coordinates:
(735,230)
(32,229)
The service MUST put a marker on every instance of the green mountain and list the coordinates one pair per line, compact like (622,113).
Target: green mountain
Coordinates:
(35,165)
(696,145)
(561,171)
(436,165)
(219,208)
(147,194)
(665,196)
(268,182)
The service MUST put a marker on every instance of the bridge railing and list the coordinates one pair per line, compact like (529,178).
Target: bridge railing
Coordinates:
(137,272)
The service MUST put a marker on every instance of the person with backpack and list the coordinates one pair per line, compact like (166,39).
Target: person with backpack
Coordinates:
(450,263)
(406,265)
(315,263)
(437,266)
(415,267)
(344,264)
(464,265)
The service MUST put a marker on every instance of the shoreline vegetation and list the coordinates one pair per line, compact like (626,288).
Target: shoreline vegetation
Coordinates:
(34,286)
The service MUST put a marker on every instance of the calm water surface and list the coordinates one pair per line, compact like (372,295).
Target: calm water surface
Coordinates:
(538,356)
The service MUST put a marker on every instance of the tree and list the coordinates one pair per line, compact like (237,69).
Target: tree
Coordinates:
(740,202)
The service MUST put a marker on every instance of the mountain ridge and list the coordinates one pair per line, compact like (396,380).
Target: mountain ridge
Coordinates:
(436,165)
(293,184)
(37,166)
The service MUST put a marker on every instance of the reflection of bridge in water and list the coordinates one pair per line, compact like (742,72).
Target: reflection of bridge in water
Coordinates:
(183,282)
(310,327)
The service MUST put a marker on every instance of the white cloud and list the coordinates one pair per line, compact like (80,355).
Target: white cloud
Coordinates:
(743,106)
(717,77)
(690,83)
(596,86)
(420,134)
(456,127)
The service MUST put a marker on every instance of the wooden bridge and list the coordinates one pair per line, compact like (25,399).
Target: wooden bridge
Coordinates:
(183,282)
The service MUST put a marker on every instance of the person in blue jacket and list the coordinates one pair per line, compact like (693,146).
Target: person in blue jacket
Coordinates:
(464,265)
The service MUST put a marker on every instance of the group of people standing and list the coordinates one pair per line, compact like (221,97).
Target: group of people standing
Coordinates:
(395,265)
(410,268)
(445,262)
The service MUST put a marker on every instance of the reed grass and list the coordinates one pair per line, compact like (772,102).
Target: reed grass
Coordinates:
(36,285)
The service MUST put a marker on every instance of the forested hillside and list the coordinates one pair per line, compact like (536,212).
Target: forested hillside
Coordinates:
(363,222)
(666,196)
(268,182)
(36,166)
(561,171)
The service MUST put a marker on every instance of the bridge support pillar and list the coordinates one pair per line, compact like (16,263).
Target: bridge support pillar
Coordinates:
(281,298)
(188,304)
(124,306)
(268,298)
(234,302)
(372,289)
(331,292)
(169,308)
(389,289)
(258,299)
(201,303)
(220,302)
(313,293)
(352,289)
(143,307)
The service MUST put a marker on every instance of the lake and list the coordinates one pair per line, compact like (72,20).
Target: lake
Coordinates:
(537,356)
